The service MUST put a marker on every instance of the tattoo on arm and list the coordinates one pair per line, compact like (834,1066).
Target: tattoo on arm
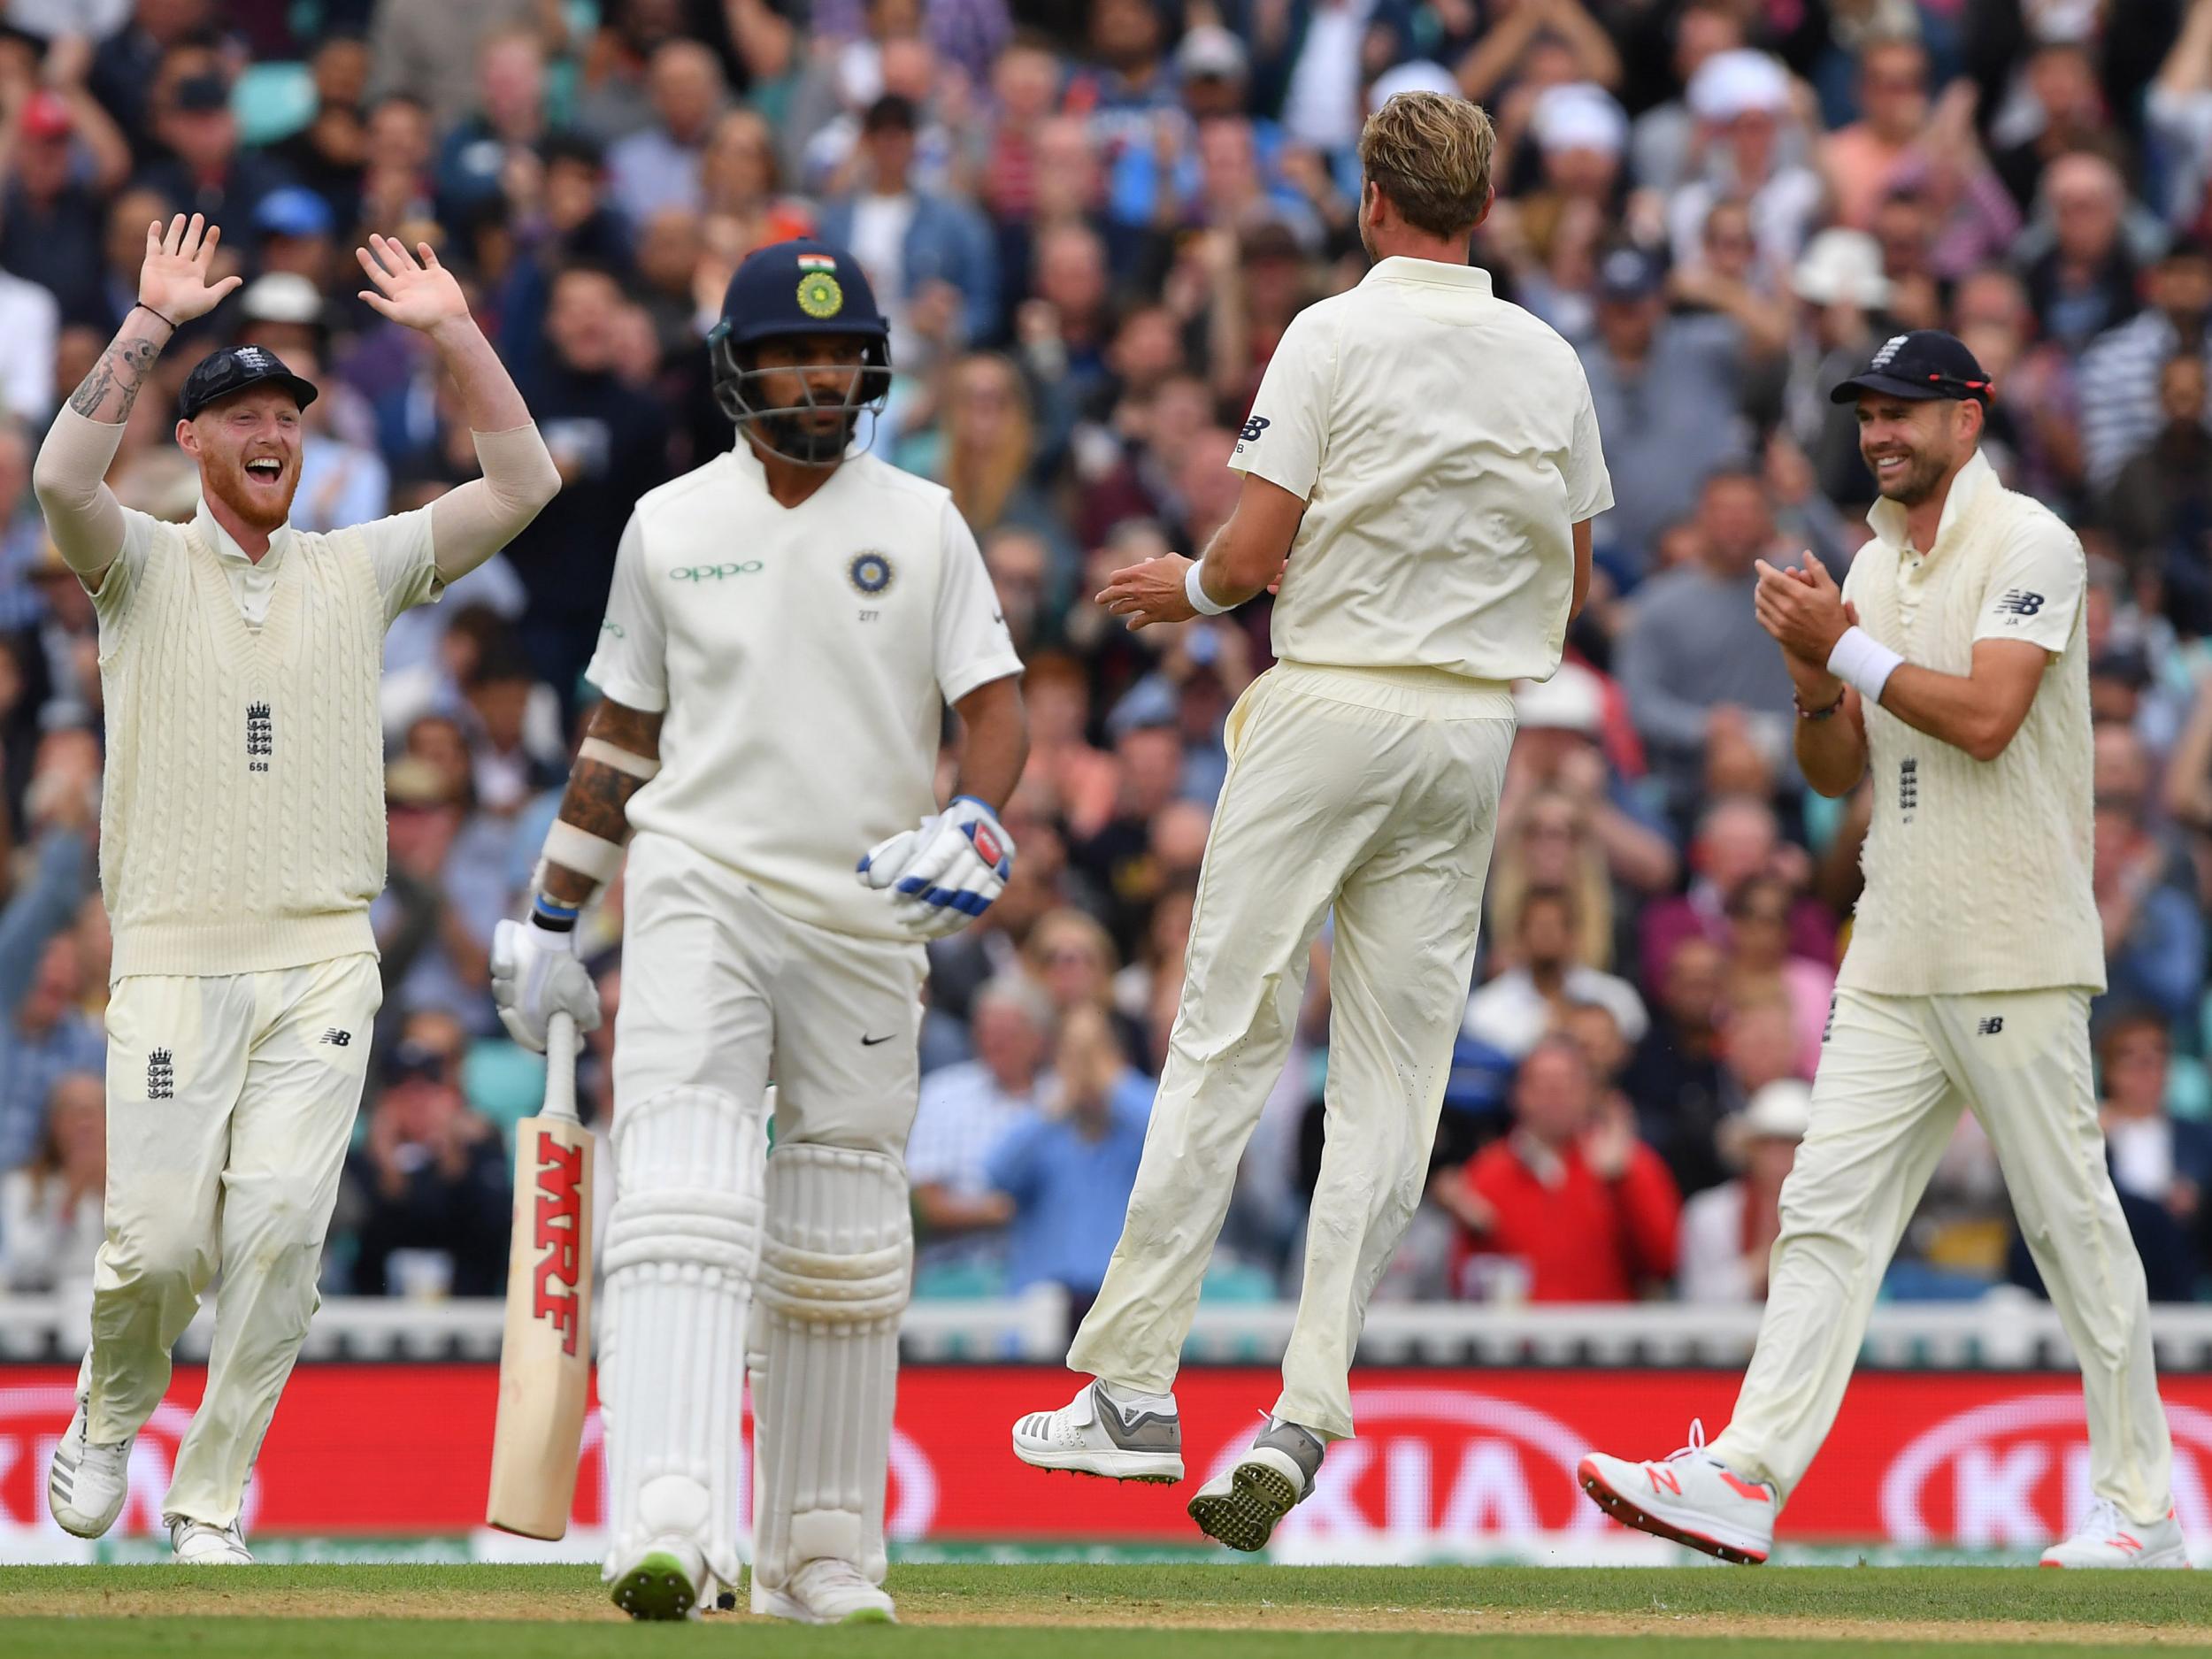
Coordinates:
(109,391)
(597,800)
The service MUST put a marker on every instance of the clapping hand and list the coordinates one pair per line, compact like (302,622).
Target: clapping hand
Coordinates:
(1803,609)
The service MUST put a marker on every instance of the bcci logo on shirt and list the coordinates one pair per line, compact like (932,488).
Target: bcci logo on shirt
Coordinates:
(870,573)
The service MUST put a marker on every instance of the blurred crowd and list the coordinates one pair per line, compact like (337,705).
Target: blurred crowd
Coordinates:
(1089,224)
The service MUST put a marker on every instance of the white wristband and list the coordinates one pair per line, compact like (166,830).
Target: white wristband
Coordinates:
(1196,591)
(1863,662)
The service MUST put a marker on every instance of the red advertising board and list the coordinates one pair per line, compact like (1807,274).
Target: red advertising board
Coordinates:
(1926,1459)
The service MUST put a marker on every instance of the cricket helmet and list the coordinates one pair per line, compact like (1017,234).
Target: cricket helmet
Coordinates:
(797,290)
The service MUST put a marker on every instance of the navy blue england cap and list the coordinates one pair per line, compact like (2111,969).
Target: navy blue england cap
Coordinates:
(1925,364)
(221,373)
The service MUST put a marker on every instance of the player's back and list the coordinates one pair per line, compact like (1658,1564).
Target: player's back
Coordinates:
(1446,444)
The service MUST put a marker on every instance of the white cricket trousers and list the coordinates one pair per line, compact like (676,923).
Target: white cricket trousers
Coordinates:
(1375,791)
(1895,1072)
(231,1104)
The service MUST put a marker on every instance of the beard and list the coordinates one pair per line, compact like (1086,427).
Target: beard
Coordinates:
(1916,482)
(260,506)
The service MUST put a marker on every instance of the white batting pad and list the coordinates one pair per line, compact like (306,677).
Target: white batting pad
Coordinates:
(682,1244)
(835,1273)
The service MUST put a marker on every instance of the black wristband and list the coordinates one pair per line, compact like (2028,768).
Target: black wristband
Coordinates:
(151,311)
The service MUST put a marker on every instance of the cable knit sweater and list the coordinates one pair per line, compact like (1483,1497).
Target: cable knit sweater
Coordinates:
(1978,873)
(242,827)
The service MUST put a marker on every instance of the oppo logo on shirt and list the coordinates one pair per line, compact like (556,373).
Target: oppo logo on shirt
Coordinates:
(714,572)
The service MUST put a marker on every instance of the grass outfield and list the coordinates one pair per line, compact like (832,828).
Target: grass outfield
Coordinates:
(1116,1612)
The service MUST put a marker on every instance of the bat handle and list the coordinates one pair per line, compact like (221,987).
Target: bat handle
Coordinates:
(561,1043)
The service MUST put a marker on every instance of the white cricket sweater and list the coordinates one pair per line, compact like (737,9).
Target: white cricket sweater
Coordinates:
(1978,873)
(243,825)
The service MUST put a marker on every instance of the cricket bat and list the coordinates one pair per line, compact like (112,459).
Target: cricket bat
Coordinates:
(545,1356)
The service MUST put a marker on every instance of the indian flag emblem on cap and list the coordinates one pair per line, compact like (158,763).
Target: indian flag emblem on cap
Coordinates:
(820,296)
(817,262)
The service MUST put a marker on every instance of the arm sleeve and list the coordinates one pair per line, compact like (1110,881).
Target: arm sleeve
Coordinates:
(1589,486)
(470,523)
(1286,438)
(2035,589)
(631,665)
(86,520)
(973,645)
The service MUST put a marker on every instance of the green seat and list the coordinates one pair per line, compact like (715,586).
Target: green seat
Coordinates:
(273,101)
(954,1281)
(504,1080)
(1237,1281)
(2188,1089)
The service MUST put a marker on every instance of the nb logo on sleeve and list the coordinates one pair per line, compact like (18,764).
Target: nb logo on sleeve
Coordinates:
(714,572)
(1252,429)
(2018,601)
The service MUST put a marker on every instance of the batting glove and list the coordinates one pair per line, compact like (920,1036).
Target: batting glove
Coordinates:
(535,975)
(943,874)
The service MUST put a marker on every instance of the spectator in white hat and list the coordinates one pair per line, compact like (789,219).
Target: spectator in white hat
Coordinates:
(1580,132)
(1727,1230)
(1743,103)
(1663,147)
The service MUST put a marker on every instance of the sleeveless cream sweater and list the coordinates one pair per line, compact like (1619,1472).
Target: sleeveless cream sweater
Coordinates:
(1978,873)
(243,825)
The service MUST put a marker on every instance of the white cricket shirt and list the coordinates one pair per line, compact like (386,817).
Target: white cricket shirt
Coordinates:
(803,655)
(1978,873)
(1445,445)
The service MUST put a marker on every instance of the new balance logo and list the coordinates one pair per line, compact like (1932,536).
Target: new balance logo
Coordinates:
(161,1075)
(260,737)
(1252,429)
(1908,787)
(2018,601)
(1991,1026)
(335,1037)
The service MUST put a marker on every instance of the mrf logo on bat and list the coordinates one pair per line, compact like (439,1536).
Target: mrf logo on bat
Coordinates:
(560,1216)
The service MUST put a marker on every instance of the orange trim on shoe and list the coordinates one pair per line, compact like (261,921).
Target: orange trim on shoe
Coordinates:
(1630,1516)
(1746,1489)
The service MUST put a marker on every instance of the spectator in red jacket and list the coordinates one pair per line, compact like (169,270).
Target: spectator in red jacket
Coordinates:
(1587,1209)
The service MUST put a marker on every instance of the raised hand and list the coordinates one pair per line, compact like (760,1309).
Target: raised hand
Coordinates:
(173,283)
(416,293)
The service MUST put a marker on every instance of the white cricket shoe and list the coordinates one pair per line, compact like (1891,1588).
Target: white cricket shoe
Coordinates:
(85,1485)
(1092,1435)
(199,1545)
(1240,1506)
(2107,1539)
(1690,1497)
(826,1592)
(664,1583)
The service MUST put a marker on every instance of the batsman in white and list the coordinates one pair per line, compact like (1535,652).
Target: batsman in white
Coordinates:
(1427,456)
(1954,667)
(242,840)
(785,627)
